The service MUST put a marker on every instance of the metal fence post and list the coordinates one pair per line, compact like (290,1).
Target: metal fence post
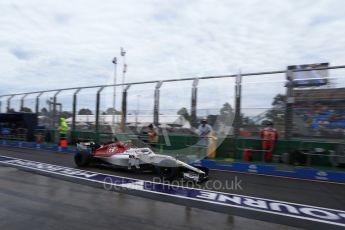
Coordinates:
(37,107)
(290,100)
(74,107)
(9,103)
(156,104)
(54,109)
(98,102)
(22,102)
(194,102)
(237,120)
(124,107)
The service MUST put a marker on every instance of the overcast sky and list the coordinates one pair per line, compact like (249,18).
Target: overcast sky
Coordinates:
(46,44)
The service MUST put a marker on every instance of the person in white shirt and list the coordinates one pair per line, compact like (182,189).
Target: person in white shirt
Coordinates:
(205,132)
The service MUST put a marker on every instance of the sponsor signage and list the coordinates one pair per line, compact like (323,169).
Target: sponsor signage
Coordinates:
(309,75)
(299,211)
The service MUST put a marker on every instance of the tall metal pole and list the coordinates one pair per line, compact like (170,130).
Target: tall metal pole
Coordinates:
(114,92)
(124,70)
(290,100)
(9,103)
(22,102)
(237,120)
(74,112)
(54,109)
(98,102)
(38,103)
(156,104)
(124,107)
(194,102)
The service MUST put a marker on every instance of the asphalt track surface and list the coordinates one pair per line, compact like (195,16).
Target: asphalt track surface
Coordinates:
(30,200)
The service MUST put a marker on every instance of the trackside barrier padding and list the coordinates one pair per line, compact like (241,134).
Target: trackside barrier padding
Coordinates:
(310,174)
(32,145)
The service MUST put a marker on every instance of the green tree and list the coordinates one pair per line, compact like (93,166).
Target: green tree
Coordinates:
(66,114)
(226,114)
(112,111)
(246,120)
(26,110)
(277,113)
(44,111)
(85,111)
(184,112)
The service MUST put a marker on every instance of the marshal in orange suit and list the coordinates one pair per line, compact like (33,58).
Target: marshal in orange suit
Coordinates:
(269,137)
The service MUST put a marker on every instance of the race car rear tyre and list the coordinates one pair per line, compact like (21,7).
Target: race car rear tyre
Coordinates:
(82,159)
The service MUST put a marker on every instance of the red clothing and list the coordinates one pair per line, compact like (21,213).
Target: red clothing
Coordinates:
(268,136)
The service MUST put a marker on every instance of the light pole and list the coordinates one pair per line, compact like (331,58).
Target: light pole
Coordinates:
(137,112)
(123,54)
(114,93)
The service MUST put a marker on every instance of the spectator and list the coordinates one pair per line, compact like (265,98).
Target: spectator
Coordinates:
(153,136)
(205,133)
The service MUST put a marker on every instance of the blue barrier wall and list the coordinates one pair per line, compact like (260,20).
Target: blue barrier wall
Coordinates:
(301,173)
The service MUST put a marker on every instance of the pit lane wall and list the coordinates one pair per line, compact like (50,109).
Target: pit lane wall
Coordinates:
(301,173)
(228,148)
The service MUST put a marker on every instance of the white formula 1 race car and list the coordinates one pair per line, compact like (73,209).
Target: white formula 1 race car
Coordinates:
(124,155)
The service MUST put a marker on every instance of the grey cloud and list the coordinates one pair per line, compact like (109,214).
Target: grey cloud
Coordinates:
(22,54)
(62,18)
(165,16)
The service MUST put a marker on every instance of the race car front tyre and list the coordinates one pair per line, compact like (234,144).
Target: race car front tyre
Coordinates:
(82,159)
(204,169)
(203,177)
(169,171)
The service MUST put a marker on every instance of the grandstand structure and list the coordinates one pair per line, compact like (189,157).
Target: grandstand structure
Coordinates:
(320,112)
